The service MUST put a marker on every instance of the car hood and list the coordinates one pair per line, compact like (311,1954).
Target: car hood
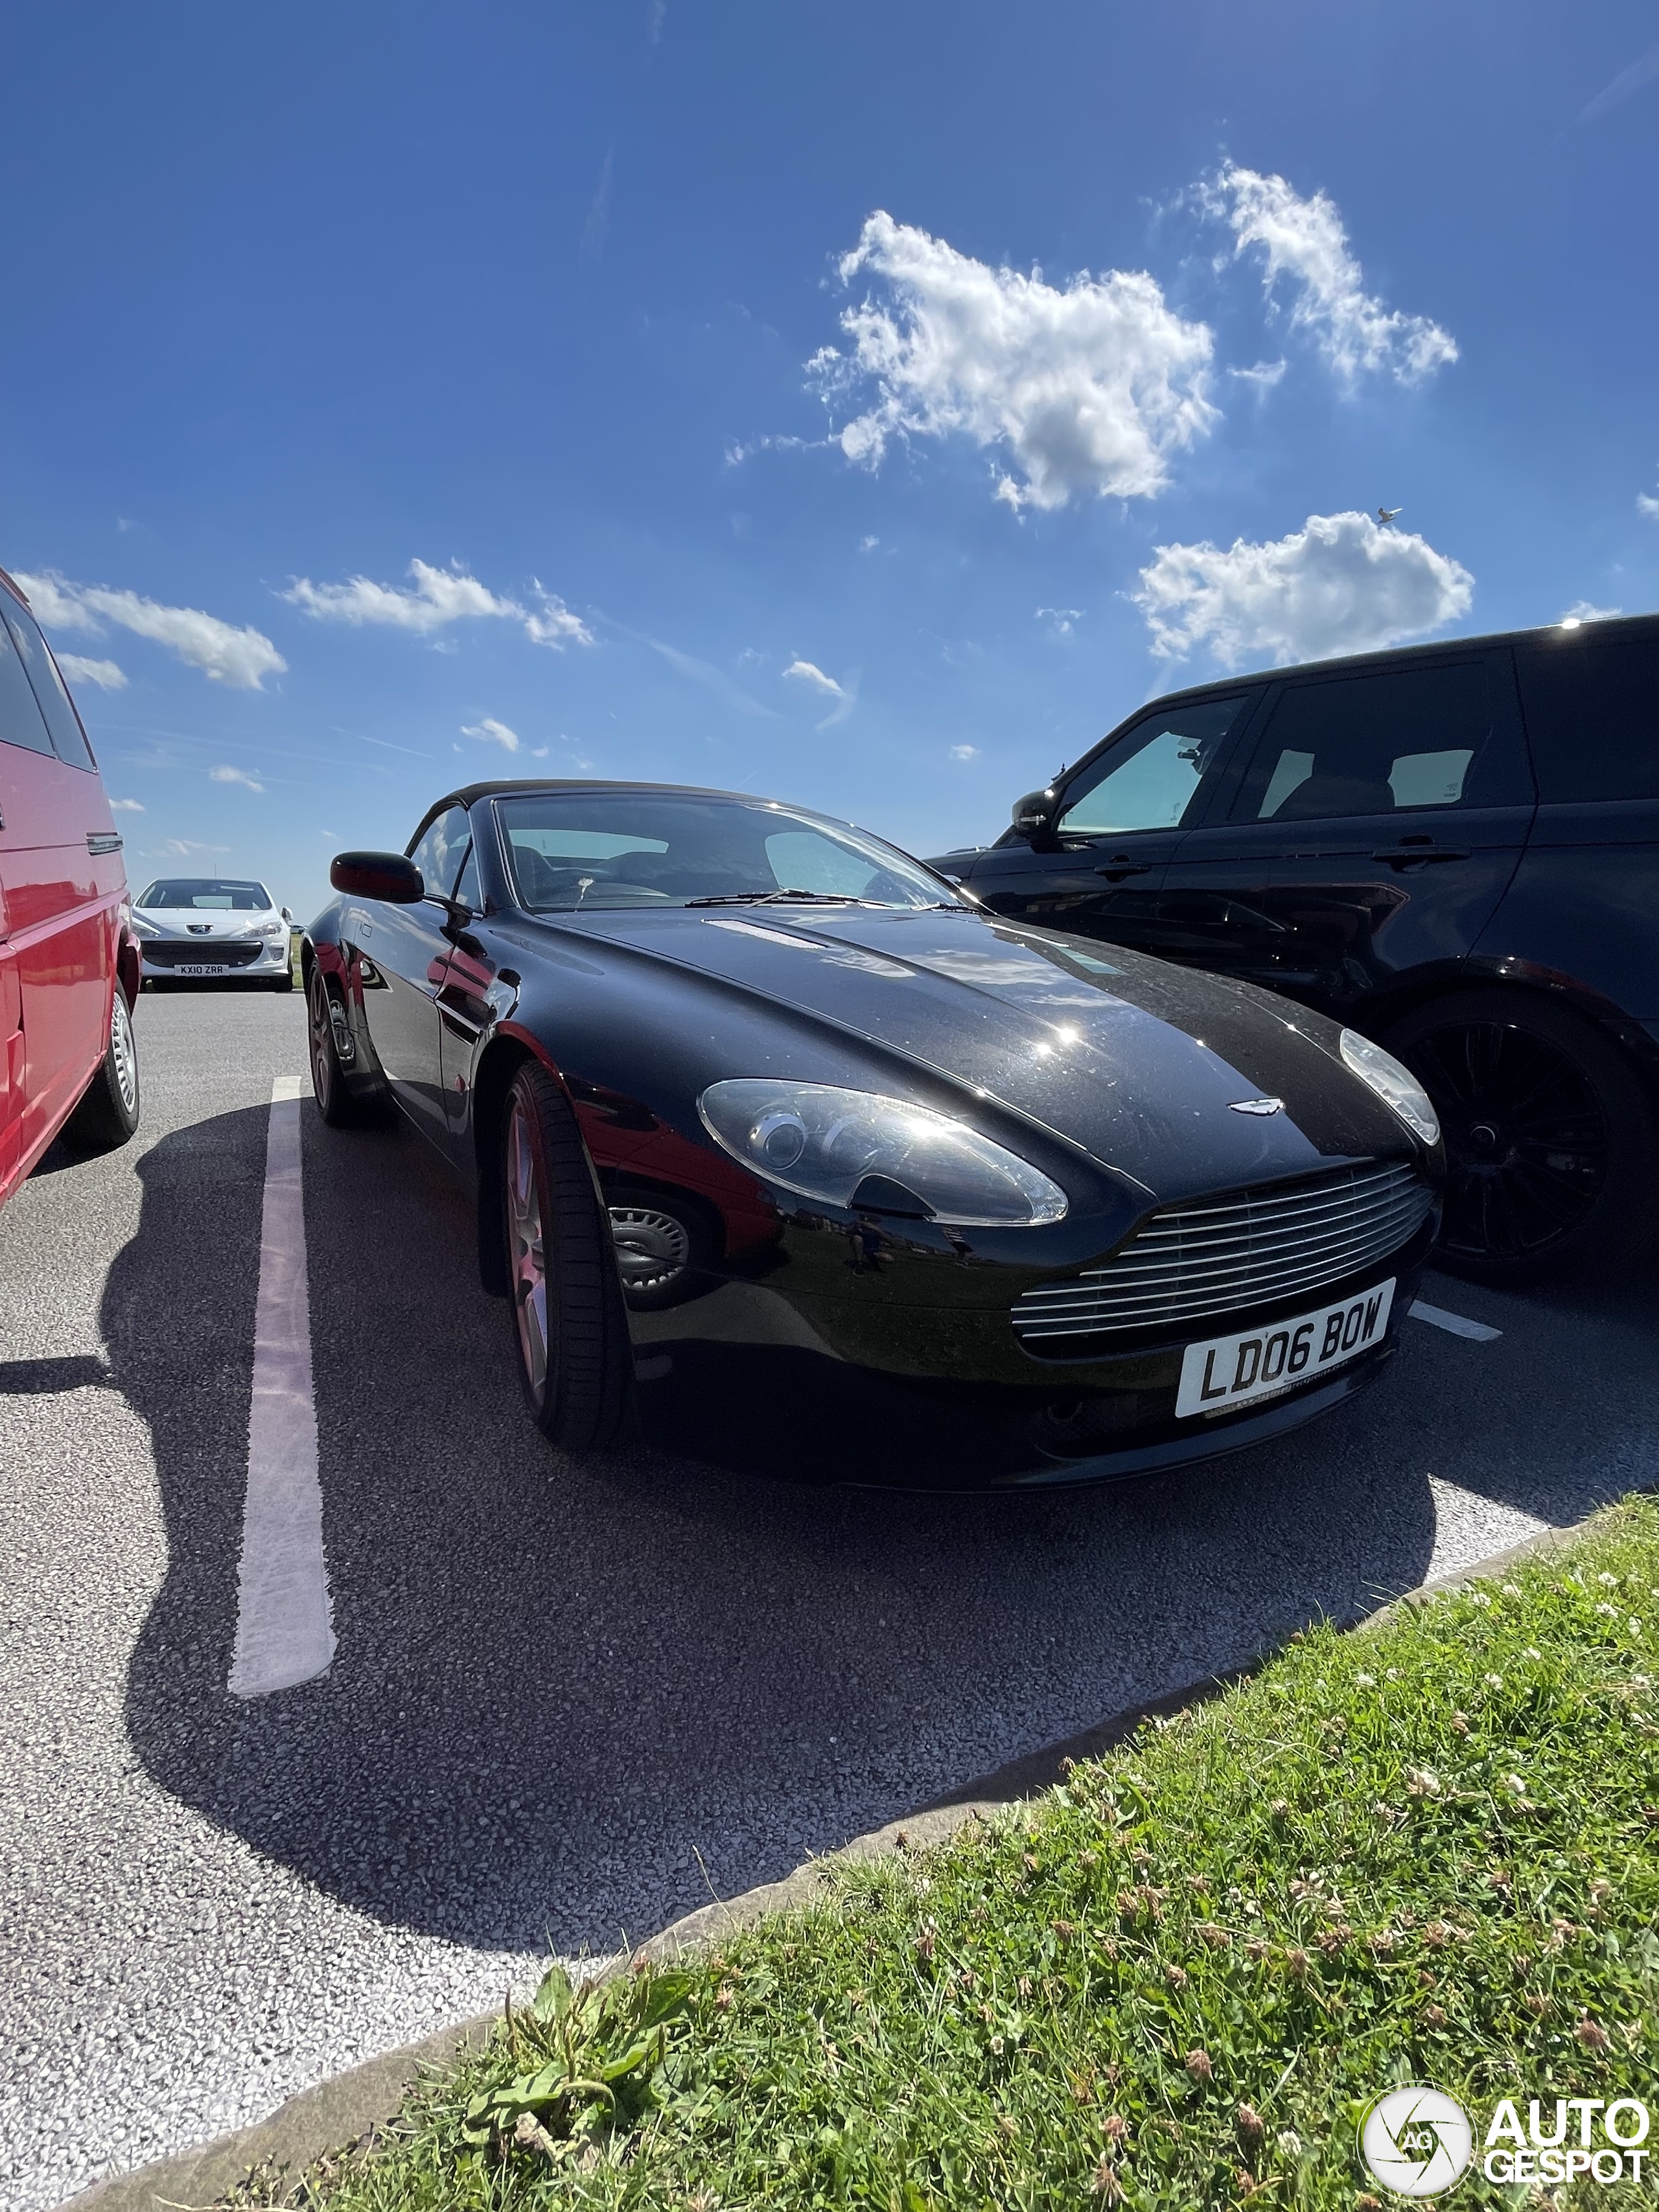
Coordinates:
(1143,1065)
(177,923)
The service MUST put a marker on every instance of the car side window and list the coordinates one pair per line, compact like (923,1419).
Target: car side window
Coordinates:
(1592,707)
(1150,778)
(1403,741)
(57,707)
(439,854)
(469,892)
(20,720)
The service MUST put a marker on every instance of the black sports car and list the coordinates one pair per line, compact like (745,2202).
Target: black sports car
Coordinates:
(789,1152)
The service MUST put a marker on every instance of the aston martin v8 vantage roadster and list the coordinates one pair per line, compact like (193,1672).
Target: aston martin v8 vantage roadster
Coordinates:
(788,1152)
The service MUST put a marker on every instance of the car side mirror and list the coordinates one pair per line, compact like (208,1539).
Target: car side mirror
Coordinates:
(1034,816)
(386,876)
(287,917)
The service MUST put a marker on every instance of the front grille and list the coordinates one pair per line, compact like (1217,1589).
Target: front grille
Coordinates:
(1248,1248)
(207,952)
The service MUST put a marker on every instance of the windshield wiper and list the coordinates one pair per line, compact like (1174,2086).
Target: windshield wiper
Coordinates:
(773,898)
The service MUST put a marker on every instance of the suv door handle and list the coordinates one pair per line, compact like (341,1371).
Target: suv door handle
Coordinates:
(1123,865)
(1398,855)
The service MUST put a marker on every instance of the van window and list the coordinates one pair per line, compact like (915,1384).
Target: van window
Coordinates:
(1592,707)
(19,717)
(1150,777)
(1403,741)
(56,706)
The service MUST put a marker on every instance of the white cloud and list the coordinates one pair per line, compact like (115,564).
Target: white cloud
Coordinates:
(597,229)
(1061,621)
(437,598)
(845,695)
(225,652)
(868,545)
(125,806)
(1641,71)
(549,622)
(490,731)
(235,775)
(180,848)
(1646,505)
(1341,584)
(1265,375)
(108,675)
(1304,240)
(964,752)
(1584,611)
(1088,389)
(809,673)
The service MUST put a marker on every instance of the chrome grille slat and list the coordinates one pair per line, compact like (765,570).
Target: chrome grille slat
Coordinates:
(1192,1263)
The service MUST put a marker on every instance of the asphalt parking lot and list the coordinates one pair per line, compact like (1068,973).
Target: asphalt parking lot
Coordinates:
(565,1701)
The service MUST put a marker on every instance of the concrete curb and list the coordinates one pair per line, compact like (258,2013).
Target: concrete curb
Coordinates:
(348,2105)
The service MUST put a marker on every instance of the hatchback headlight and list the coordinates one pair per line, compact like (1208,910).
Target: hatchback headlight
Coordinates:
(1394,1085)
(143,929)
(824,1142)
(273,929)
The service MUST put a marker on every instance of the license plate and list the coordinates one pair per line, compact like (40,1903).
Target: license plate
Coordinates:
(1240,1370)
(201,968)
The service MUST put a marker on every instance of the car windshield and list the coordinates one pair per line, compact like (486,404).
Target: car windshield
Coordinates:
(587,850)
(200,891)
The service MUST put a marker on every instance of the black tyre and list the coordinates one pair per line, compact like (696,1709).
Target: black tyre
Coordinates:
(569,1329)
(283,982)
(1550,1136)
(108,1112)
(335,1102)
(660,1243)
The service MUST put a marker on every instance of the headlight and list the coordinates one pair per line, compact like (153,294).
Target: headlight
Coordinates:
(824,1142)
(273,929)
(1395,1085)
(143,929)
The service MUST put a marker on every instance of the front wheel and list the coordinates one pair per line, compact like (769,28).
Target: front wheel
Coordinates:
(1550,1139)
(570,1330)
(334,1100)
(108,1112)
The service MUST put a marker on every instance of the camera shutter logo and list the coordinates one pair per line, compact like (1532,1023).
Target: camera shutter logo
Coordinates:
(1416,2141)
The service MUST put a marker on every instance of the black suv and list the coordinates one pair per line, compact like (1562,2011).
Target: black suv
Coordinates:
(1454,848)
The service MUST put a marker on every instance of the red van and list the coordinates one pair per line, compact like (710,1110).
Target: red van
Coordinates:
(69,961)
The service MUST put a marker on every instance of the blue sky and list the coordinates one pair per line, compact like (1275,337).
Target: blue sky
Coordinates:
(543,298)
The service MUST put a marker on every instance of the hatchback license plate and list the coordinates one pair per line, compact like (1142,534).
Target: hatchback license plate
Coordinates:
(1239,1371)
(201,968)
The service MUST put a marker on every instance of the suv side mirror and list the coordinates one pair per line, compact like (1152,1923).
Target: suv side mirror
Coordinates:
(1034,815)
(386,876)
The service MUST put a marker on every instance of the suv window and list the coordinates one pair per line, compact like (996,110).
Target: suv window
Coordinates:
(56,706)
(1149,779)
(1592,709)
(1397,742)
(441,850)
(19,717)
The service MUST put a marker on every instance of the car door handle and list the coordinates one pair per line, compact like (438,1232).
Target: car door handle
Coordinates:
(1398,855)
(1114,871)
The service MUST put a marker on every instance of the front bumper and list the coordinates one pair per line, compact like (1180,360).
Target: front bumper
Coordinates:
(865,1389)
(161,959)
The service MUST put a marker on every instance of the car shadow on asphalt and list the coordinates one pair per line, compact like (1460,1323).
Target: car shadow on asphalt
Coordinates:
(571,1699)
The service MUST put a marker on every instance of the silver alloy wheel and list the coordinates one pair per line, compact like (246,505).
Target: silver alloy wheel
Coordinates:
(526,1252)
(652,1249)
(123,1054)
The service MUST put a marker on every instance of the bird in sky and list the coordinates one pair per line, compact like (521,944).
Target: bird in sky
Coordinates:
(1385,515)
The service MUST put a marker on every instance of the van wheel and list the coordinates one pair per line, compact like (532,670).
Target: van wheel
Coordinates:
(569,1329)
(108,1112)
(1550,1138)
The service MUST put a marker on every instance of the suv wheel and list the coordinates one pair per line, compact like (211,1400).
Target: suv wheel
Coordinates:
(1550,1137)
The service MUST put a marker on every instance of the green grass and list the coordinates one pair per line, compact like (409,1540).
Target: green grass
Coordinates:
(1426,1853)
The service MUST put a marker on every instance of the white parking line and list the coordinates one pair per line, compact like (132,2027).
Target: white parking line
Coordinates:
(284,1623)
(1454,1324)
